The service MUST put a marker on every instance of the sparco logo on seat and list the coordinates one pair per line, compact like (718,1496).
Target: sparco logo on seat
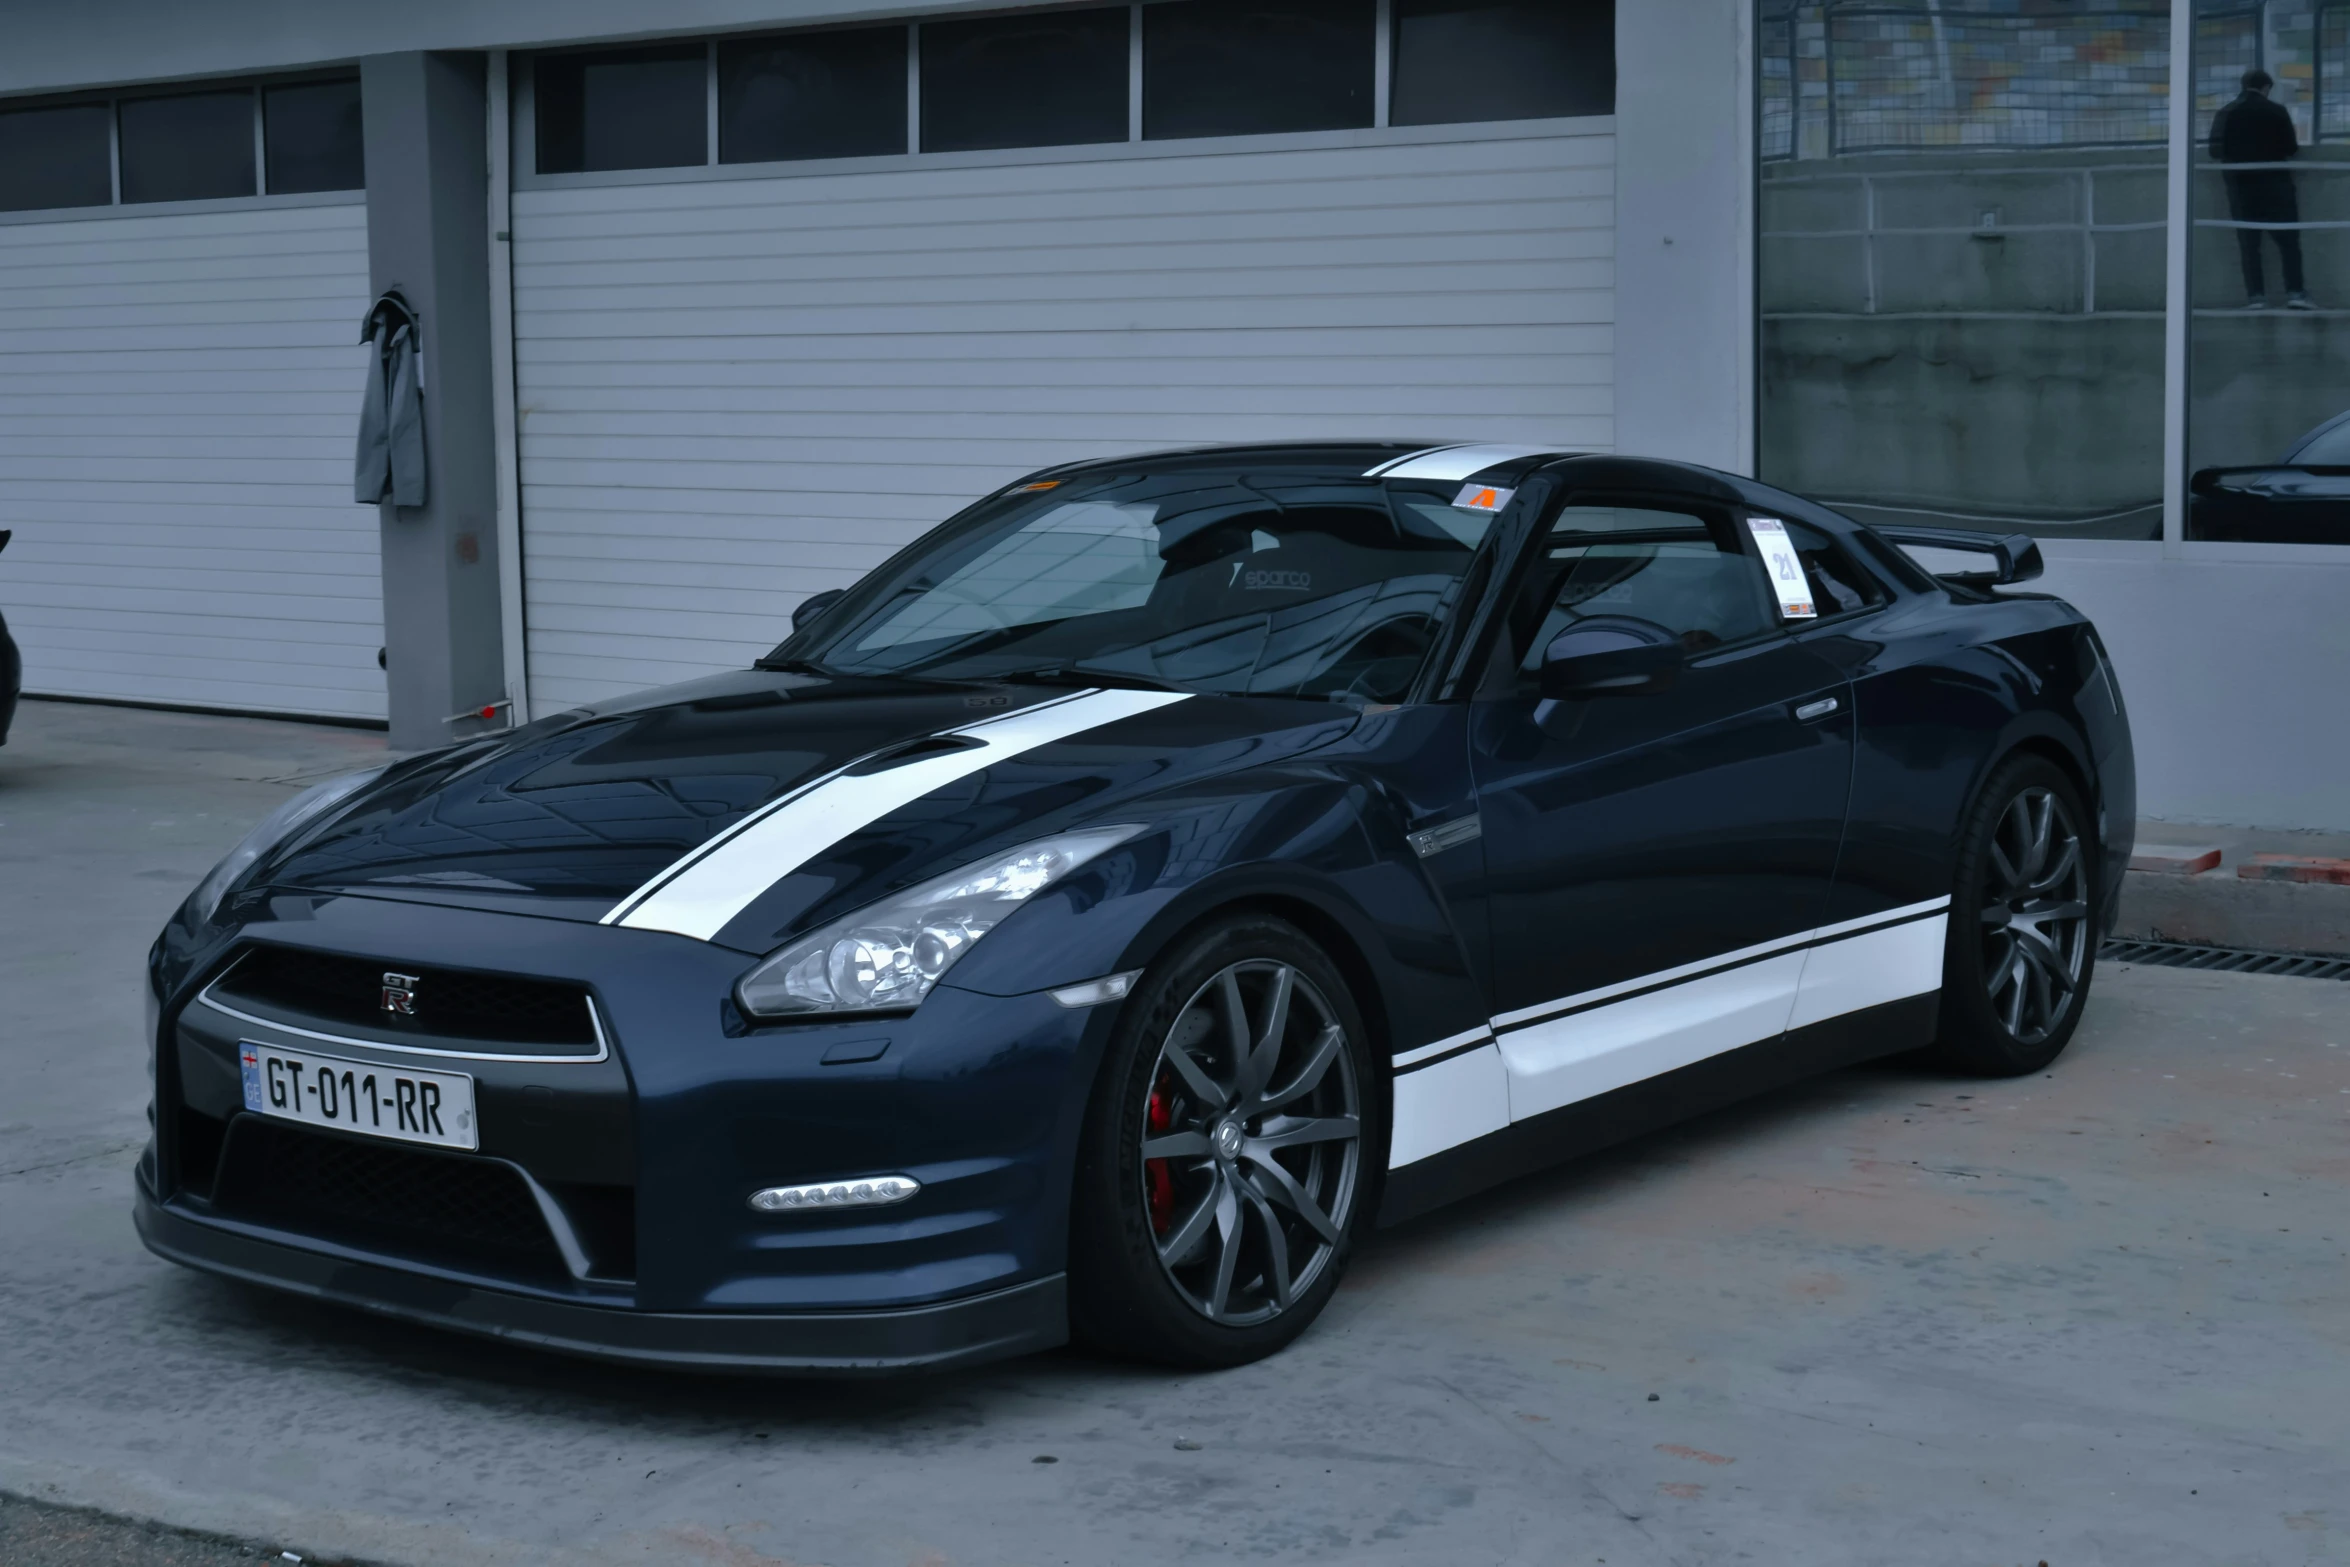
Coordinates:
(399,994)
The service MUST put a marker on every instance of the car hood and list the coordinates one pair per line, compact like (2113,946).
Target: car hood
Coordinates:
(740,779)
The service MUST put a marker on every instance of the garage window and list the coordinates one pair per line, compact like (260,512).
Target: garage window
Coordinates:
(1459,60)
(623,109)
(812,95)
(55,158)
(188,147)
(1240,67)
(312,137)
(1046,79)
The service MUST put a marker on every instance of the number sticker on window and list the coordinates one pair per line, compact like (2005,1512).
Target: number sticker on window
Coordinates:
(1787,579)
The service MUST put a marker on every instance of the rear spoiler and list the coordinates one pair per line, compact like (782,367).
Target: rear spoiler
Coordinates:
(2015,557)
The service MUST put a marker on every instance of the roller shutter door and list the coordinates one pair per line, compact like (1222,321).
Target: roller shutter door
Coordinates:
(737,392)
(178,398)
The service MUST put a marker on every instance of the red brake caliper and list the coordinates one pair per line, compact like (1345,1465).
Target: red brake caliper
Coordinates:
(1158,1181)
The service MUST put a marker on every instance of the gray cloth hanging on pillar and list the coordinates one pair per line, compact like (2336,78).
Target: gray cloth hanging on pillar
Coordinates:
(390,462)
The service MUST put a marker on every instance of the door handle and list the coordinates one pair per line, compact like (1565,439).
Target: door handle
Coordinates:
(1820,709)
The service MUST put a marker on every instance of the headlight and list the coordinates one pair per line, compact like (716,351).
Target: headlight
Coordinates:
(274,829)
(890,955)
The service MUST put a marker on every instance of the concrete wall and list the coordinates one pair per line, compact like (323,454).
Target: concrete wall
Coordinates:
(2234,671)
(2053,417)
(1684,226)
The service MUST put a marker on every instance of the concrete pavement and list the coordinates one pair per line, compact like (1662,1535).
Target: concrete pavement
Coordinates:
(2092,1317)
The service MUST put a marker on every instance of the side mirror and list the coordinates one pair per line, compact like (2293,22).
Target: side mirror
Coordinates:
(812,607)
(1588,661)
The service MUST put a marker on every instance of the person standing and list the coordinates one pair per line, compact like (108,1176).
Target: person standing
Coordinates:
(2256,129)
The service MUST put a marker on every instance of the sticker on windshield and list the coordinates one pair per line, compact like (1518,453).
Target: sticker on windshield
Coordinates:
(1787,579)
(1482,497)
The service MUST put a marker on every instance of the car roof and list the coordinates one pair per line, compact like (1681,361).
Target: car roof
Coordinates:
(1461,459)
(2312,437)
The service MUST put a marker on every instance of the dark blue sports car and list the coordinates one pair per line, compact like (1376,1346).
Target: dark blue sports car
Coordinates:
(1099,917)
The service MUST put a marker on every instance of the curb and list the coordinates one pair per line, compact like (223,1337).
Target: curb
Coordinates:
(2255,912)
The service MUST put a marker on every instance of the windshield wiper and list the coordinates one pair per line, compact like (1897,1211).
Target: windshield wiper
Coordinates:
(1084,675)
(796,666)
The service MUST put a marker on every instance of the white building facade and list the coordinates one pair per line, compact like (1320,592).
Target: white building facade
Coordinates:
(720,312)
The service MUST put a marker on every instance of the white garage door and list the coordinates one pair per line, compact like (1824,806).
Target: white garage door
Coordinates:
(736,392)
(178,398)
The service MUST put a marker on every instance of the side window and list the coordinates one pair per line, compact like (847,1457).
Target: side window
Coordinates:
(1643,571)
(1839,585)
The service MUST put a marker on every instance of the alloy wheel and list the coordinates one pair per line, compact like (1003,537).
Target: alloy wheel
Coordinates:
(2035,915)
(1251,1143)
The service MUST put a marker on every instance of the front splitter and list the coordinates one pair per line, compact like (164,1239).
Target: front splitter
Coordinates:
(994,1326)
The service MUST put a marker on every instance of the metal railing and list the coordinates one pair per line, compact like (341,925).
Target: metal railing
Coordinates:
(1872,231)
(2210,213)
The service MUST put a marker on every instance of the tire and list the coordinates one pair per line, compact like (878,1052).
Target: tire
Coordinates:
(1226,1243)
(2022,946)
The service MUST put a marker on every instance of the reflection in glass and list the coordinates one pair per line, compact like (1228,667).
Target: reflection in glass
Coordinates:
(313,138)
(2268,444)
(188,147)
(624,109)
(1459,60)
(1254,583)
(55,158)
(1041,79)
(813,95)
(1242,67)
(1961,265)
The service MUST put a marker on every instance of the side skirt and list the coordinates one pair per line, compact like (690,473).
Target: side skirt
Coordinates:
(1571,1131)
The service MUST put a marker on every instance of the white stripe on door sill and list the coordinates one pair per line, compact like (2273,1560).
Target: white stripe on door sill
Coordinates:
(702,893)
(1642,1028)
(1760,949)
(1423,1052)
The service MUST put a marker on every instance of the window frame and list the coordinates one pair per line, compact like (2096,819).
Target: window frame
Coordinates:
(523,117)
(1500,678)
(112,98)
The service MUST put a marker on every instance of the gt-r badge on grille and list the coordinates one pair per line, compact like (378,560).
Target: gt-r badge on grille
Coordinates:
(399,995)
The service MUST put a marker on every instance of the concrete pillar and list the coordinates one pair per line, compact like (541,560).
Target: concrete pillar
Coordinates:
(1685,231)
(427,235)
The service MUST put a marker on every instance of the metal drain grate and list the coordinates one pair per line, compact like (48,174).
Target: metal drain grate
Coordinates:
(2233,960)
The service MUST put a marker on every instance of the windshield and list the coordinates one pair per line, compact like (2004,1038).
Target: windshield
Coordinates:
(1227,581)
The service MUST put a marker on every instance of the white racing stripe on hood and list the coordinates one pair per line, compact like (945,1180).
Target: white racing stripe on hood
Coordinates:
(700,894)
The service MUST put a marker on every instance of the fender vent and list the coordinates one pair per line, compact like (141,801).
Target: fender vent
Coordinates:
(2231,960)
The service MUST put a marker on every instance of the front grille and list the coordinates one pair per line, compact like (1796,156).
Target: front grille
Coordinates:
(447,1003)
(2232,960)
(438,1207)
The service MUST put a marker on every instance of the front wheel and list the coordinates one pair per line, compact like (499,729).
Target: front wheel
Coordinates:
(1224,1172)
(2023,924)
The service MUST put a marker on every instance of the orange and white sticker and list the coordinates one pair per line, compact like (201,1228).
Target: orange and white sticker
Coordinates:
(1786,571)
(1482,497)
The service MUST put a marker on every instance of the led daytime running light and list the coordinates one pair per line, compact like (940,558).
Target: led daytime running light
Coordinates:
(873,1192)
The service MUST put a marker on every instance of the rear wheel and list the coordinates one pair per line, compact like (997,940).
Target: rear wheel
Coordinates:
(1223,1176)
(2023,924)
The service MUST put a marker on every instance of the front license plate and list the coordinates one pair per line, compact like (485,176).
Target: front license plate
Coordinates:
(358,1096)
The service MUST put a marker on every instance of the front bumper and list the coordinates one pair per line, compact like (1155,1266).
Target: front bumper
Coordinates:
(993,1326)
(643,1157)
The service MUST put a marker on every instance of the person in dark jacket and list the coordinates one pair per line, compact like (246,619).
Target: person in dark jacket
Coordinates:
(2255,129)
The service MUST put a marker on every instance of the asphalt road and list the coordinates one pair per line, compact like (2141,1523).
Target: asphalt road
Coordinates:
(2096,1316)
